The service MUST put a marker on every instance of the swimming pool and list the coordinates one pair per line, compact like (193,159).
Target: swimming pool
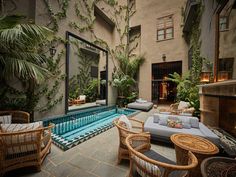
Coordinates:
(77,127)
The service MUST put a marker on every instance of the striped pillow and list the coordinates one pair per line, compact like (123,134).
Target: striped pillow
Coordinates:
(5,119)
(154,170)
(20,138)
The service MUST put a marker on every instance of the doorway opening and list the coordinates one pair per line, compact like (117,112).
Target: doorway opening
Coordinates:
(163,90)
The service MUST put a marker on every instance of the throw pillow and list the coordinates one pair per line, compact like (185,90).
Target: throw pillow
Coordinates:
(6,119)
(126,121)
(194,122)
(156,118)
(174,123)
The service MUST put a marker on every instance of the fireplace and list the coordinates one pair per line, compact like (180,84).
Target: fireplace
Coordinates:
(218,105)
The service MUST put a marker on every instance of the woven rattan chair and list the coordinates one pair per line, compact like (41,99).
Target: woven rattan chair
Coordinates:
(152,164)
(24,148)
(138,127)
(17,116)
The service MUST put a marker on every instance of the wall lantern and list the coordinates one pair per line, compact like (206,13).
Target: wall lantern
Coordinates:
(52,51)
(205,76)
(223,75)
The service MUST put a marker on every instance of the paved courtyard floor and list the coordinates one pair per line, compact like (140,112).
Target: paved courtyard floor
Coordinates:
(95,157)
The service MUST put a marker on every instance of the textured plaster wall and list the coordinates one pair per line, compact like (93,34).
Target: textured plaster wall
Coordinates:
(175,49)
(207,26)
(227,41)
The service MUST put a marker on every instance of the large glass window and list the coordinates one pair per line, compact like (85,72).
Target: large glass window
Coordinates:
(165,28)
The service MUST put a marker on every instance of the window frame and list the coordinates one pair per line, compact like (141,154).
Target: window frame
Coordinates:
(227,23)
(165,28)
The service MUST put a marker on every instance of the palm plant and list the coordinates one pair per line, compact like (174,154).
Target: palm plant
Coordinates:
(129,65)
(19,50)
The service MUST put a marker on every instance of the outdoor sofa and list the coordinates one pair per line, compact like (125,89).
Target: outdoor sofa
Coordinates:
(141,104)
(159,129)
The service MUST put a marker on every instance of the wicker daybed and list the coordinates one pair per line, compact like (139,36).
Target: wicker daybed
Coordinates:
(23,148)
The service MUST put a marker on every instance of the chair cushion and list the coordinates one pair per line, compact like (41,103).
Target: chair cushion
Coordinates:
(183,105)
(20,138)
(5,119)
(126,121)
(158,157)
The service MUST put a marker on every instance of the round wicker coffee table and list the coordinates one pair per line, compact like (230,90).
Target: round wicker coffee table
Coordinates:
(201,148)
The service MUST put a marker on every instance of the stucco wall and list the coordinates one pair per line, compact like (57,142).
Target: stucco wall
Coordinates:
(227,42)
(207,26)
(175,49)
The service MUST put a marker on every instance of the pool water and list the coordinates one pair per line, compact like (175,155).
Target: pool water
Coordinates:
(75,128)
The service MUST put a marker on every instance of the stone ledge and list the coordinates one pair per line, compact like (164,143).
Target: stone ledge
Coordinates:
(225,88)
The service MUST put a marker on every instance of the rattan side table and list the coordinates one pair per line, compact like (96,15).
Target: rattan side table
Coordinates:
(200,147)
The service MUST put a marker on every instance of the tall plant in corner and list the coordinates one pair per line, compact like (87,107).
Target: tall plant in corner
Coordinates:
(21,56)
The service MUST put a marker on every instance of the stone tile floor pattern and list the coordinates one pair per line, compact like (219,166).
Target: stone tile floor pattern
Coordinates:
(96,157)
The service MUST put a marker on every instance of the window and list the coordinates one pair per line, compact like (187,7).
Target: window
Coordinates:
(165,28)
(224,23)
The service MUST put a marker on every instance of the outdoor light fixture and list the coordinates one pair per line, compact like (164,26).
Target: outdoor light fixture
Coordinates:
(205,76)
(223,76)
(53,51)
(164,57)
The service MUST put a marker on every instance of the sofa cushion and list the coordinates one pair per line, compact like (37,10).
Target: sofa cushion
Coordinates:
(142,106)
(166,132)
(186,125)
(5,119)
(163,121)
(183,105)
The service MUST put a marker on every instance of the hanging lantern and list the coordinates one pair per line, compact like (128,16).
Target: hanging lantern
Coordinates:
(205,76)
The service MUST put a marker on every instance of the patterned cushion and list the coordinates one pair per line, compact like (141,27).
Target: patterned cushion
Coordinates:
(174,123)
(152,169)
(20,138)
(5,119)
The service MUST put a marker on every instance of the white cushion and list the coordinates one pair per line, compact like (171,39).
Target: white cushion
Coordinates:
(183,105)
(6,119)
(140,100)
(124,119)
(82,97)
(15,139)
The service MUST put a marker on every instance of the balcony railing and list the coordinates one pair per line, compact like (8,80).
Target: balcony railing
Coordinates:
(190,9)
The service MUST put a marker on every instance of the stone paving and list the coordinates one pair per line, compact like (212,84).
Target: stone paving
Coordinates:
(96,157)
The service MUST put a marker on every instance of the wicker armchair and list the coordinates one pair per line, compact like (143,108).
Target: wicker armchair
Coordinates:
(123,152)
(152,164)
(174,109)
(17,116)
(24,148)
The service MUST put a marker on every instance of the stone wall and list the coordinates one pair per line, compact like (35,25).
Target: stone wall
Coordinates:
(175,49)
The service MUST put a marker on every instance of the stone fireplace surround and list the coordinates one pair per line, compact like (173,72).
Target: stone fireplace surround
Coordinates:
(218,105)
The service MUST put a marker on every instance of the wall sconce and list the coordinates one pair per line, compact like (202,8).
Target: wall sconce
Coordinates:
(164,57)
(53,51)
(205,76)
(223,75)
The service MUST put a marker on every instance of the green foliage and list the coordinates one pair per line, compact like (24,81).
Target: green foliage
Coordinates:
(186,89)
(91,91)
(23,58)
(123,83)
(20,44)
